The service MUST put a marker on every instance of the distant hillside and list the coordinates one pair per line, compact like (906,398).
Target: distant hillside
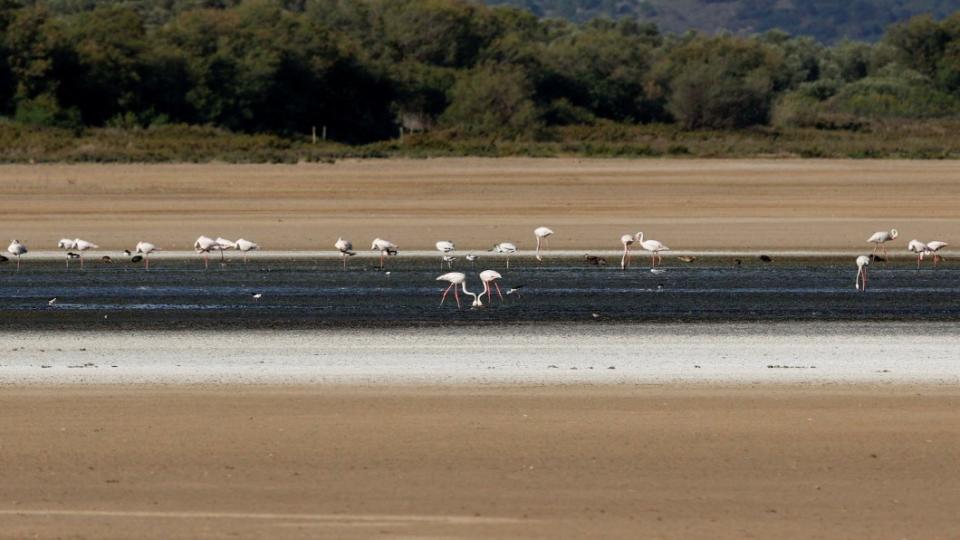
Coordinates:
(827,20)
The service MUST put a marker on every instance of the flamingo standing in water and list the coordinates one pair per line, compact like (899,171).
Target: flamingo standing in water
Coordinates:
(505,247)
(918,247)
(205,245)
(146,248)
(345,247)
(933,248)
(862,263)
(16,248)
(488,277)
(385,247)
(457,278)
(654,247)
(445,247)
(224,245)
(627,240)
(541,233)
(880,238)
(245,246)
(81,246)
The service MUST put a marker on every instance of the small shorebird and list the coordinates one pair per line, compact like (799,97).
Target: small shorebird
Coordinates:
(457,278)
(880,238)
(385,247)
(81,246)
(345,247)
(145,249)
(472,259)
(245,246)
(627,240)
(654,247)
(541,233)
(488,277)
(449,259)
(862,262)
(505,247)
(66,244)
(17,248)
(204,245)
(445,247)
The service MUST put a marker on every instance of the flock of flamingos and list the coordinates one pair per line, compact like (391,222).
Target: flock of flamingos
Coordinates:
(205,245)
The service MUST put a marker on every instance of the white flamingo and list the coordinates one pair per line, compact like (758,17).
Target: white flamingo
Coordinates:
(245,246)
(541,233)
(880,238)
(345,247)
(654,247)
(457,278)
(145,249)
(205,245)
(508,248)
(627,240)
(224,245)
(81,246)
(385,247)
(445,247)
(488,277)
(933,248)
(16,248)
(862,263)
(918,247)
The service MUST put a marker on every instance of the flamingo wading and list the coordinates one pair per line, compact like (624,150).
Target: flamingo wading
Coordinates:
(541,233)
(880,238)
(508,248)
(489,277)
(457,278)
(345,247)
(385,247)
(862,263)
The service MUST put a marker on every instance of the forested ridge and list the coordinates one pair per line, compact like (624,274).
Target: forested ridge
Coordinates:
(466,77)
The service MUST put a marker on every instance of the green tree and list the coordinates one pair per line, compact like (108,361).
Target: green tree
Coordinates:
(493,100)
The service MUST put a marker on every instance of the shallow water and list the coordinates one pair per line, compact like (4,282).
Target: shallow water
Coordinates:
(317,293)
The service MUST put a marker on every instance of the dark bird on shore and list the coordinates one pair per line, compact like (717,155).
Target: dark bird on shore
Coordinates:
(686,258)
(71,255)
(126,252)
(595,260)
(3,259)
(136,258)
(106,259)
(737,262)
(878,258)
(766,258)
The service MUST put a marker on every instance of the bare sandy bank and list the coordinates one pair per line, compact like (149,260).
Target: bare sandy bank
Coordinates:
(523,462)
(687,204)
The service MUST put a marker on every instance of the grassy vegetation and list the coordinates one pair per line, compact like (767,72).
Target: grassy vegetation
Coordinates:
(174,143)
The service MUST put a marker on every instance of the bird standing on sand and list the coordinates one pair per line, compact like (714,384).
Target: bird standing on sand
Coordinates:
(627,240)
(245,246)
(862,262)
(880,238)
(508,248)
(457,278)
(16,248)
(345,247)
(145,249)
(445,247)
(385,247)
(204,245)
(488,277)
(654,247)
(541,233)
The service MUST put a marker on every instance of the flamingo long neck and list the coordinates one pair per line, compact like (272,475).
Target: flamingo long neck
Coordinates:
(639,237)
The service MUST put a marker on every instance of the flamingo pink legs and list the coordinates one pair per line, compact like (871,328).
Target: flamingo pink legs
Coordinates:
(456,294)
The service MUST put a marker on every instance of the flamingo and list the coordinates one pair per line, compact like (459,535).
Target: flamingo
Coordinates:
(862,263)
(458,278)
(488,277)
(918,247)
(627,240)
(385,247)
(933,248)
(146,248)
(205,245)
(345,247)
(654,247)
(880,238)
(505,247)
(246,246)
(66,244)
(223,245)
(16,248)
(445,247)
(81,246)
(541,233)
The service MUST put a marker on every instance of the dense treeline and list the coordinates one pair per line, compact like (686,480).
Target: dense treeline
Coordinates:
(364,67)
